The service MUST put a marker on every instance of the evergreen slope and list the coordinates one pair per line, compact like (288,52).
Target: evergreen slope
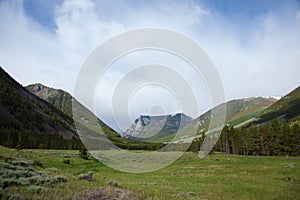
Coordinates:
(287,108)
(26,112)
(237,111)
(59,98)
(63,100)
(274,131)
(240,110)
(271,139)
(26,121)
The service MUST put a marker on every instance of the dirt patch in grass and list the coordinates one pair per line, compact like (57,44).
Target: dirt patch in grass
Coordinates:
(104,194)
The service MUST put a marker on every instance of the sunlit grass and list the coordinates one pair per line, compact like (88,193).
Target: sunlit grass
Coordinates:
(214,177)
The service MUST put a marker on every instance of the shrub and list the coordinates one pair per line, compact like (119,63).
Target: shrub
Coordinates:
(35,188)
(83,153)
(8,165)
(38,163)
(113,183)
(6,158)
(19,173)
(59,179)
(7,182)
(21,163)
(51,169)
(21,181)
(14,196)
(88,177)
(66,161)
(22,173)
(192,193)
(6,173)
(39,179)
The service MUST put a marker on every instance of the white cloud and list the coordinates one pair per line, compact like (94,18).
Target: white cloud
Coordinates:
(26,46)
(80,29)
(260,58)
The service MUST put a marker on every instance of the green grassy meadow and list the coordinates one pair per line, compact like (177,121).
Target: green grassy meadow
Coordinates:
(214,177)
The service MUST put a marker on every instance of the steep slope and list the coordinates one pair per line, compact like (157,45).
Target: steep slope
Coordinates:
(287,108)
(237,112)
(59,98)
(242,107)
(63,100)
(155,127)
(26,121)
(256,111)
(26,112)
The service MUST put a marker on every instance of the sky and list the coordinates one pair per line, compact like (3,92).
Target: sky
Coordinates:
(255,45)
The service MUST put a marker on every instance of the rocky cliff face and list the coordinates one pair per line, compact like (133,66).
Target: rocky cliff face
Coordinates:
(59,98)
(147,126)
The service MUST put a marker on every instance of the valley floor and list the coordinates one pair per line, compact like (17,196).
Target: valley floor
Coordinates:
(213,177)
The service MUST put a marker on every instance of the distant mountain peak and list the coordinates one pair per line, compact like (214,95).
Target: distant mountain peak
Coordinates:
(36,88)
(147,126)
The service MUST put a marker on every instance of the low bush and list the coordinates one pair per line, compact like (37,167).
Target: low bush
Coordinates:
(35,188)
(38,163)
(66,161)
(14,196)
(88,177)
(113,183)
(22,173)
(59,179)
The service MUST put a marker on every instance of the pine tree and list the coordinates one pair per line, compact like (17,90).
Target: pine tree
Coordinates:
(83,153)
(20,142)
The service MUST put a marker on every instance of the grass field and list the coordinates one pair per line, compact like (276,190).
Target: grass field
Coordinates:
(214,177)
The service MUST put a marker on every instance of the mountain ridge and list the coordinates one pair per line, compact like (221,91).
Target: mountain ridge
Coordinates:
(63,100)
(287,108)
(147,126)
(258,115)
(50,94)
(34,107)
(27,121)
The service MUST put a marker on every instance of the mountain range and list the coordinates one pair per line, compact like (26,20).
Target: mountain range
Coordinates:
(42,117)
(151,128)
(41,109)
(62,100)
(239,110)
(239,113)
(258,111)
(26,112)
(287,108)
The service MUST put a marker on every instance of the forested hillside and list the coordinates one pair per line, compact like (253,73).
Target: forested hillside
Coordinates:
(26,121)
(273,139)
(62,100)
(276,131)
(59,98)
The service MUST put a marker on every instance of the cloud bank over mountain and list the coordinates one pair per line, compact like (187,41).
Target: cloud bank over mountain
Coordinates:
(254,45)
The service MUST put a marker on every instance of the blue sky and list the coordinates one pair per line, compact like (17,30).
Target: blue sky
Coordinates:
(254,43)
(239,12)
(42,11)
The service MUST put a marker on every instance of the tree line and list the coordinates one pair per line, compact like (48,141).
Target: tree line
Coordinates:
(272,139)
(20,139)
(14,138)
